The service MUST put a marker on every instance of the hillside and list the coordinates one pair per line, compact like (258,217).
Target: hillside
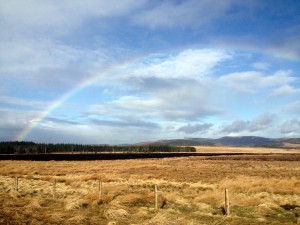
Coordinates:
(246,141)
(178,142)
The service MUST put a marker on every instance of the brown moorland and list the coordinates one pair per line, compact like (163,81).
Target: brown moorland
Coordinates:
(291,149)
(262,190)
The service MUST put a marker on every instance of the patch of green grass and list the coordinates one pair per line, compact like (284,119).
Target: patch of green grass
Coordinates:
(242,211)
(283,216)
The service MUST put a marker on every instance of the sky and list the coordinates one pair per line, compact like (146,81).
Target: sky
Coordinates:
(116,72)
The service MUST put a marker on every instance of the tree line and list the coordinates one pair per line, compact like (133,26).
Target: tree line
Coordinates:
(24,147)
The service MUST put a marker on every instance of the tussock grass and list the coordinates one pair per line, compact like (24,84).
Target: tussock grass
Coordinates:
(116,214)
(190,191)
(167,217)
(254,184)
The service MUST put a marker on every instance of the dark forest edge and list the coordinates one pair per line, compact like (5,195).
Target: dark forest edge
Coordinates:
(24,147)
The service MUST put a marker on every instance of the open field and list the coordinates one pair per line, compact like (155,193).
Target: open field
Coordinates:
(190,191)
(294,148)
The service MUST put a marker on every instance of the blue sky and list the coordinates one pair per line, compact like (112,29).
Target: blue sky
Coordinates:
(130,71)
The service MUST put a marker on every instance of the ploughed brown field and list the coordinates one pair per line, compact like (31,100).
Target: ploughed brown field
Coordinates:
(263,189)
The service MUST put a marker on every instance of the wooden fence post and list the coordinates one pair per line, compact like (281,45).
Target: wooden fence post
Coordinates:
(17,184)
(100,189)
(227,207)
(54,189)
(155,194)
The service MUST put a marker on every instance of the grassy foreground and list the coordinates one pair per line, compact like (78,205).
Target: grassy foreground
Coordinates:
(190,191)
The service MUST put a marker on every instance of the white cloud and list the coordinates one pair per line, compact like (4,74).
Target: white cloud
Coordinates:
(184,88)
(49,63)
(166,87)
(250,81)
(39,43)
(32,54)
(242,81)
(50,18)
(280,77)
(285,90)
(22,102)
(188,64)
(125,103)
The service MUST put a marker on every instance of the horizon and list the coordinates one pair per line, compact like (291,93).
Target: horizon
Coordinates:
(133,71)
(153,141)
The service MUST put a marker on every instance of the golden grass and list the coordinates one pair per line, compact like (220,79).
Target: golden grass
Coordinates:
(294,148)
(190,191)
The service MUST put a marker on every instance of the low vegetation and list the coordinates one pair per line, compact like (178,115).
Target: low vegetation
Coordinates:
(190,191)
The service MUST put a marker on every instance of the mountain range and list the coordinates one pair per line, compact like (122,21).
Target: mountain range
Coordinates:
(245,141)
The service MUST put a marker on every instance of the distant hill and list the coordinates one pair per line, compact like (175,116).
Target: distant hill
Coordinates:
(290,140)
(246,141)
(250,141)
(178,142)
(189,142)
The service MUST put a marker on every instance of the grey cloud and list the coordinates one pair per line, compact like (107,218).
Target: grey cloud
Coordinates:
(153,91)
(195,128)
(290,127)
(192,97)
(8,132)
(152,84)
(173,99)
(60,121)
(260,123)
(12,123)
(58,77)
(124,123)
(94,134)
(183,98)
(236,126)
(61,135)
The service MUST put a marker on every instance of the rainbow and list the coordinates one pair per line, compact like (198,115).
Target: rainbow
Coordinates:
(24,133)
(109,69)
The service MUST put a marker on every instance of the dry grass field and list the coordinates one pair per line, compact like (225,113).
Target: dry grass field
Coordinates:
(190,191)
(293,148)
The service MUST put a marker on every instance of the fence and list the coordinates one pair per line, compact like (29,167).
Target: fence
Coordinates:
(100,191)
